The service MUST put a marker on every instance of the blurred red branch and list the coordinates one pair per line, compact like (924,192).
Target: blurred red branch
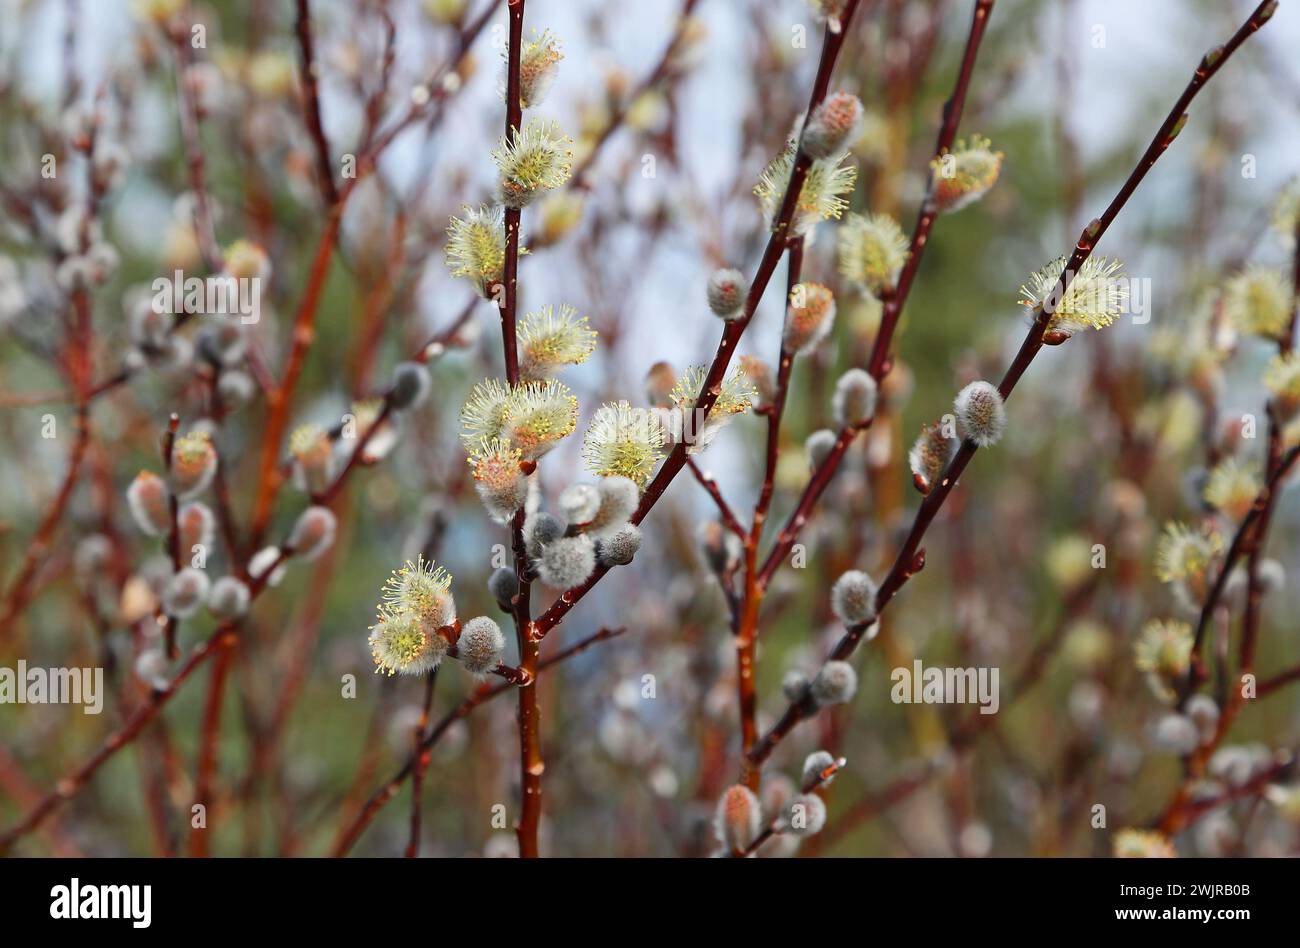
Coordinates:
(311,103)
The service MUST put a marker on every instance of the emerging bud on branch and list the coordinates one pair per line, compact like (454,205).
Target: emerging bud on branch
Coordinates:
(738,818)
(818,447)
(410,386)
(805,815)
(929,456)
(150,503)
(313,533)
(854,402)
(567,561)
(980,413)
(832,125)
(313,454)
(853,598)
(620,548)
(836,683)
(480,645)
(503,584)
(229,598)
(816,764)
(186,592)
(808,318)
(726,293)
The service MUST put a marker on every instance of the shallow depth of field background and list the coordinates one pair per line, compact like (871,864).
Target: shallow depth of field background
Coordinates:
(626,775)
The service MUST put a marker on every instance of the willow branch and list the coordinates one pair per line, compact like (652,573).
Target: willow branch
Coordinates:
(911,557)
(711,488)
(892,300)
(732,331)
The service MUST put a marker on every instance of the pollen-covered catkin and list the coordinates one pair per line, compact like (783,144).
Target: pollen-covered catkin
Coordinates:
(567,561)
(480,645)
(980,413)
(533,160)
(836,683)
(400,643)
(539,59)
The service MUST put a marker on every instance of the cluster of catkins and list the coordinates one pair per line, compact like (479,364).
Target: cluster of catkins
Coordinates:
(531,161)
(171,509)
(1254,306)
(371,426)
(155,315)
(788,812)
(590,528)
(416,626)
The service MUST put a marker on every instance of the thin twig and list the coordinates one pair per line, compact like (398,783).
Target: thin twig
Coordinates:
(311,104)
(351,832)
